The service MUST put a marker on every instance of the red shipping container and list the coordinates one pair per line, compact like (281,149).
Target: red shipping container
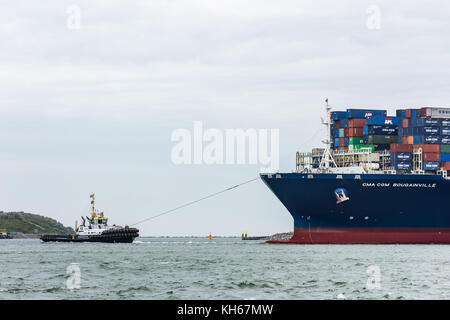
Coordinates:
(423,112)
(432,156)
(405,123)
(408,113)
(405,140)
(445,165)
(356,123)
(355,132)
(428,148)
(346,132)
(341,142)
(401,147)
(336,124)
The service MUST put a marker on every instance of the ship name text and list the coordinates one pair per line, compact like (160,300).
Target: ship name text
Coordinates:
(399,185)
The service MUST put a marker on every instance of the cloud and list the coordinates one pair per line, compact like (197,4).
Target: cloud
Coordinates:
(104,99)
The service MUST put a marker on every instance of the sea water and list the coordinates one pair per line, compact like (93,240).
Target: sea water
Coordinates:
(222,268)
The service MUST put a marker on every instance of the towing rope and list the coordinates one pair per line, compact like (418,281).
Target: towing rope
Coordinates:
(195,201)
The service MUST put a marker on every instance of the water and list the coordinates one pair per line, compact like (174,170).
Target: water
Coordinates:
(183,268)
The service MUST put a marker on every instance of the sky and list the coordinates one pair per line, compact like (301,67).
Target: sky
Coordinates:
(89,102)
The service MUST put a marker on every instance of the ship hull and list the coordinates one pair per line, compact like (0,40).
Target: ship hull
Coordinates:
(114,236)
(364,209)
(65,238)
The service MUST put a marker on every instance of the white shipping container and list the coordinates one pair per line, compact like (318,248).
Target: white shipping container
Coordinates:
(371,157)
(437,112)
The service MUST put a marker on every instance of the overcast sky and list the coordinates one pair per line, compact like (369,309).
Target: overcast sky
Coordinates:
(93,109)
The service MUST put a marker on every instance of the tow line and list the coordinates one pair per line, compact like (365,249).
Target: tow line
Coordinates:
(195,201)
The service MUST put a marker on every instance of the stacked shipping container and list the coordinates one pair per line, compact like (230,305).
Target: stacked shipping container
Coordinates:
(431,134)
(348,129)
(426,128)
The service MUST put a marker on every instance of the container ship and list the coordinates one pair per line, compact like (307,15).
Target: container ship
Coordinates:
(378,179)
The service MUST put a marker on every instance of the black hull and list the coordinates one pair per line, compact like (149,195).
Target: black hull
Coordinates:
(115,236)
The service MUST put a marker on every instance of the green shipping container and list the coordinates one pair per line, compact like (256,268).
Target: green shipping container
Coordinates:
(354,141)
(445,148)
(365,146)
(382,139)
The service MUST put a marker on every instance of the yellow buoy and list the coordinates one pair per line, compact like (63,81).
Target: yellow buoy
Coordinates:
(210,237)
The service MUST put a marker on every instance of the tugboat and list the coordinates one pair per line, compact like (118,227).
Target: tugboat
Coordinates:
(98,230)
(4,235)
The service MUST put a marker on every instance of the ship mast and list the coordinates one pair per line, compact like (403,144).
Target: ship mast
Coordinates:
(327,159)
(93,205)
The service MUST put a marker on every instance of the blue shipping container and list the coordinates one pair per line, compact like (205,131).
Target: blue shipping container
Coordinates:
(445,122)
(431,165)
(336,133)
(401,113)
(431,139)
(445,131)
(435,139)
(363,113)
(445,139)
(401,156)
(403,166)
(382,130)
(407,132)
(345,142)
(445,156)
(377,120)
(343,123)
(422,131)
(382,147)
(341,133)
(338,115)
(424,122)
(336,142)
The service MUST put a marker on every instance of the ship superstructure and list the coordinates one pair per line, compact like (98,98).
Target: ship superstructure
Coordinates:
(97,222)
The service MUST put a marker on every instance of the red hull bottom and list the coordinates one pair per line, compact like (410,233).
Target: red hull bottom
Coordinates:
(368,236)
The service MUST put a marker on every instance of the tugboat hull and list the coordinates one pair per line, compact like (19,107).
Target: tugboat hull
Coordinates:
(109,236)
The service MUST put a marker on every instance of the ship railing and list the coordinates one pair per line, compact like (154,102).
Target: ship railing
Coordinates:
(442,173)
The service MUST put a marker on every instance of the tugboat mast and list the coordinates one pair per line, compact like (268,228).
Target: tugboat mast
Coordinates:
(93,205)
